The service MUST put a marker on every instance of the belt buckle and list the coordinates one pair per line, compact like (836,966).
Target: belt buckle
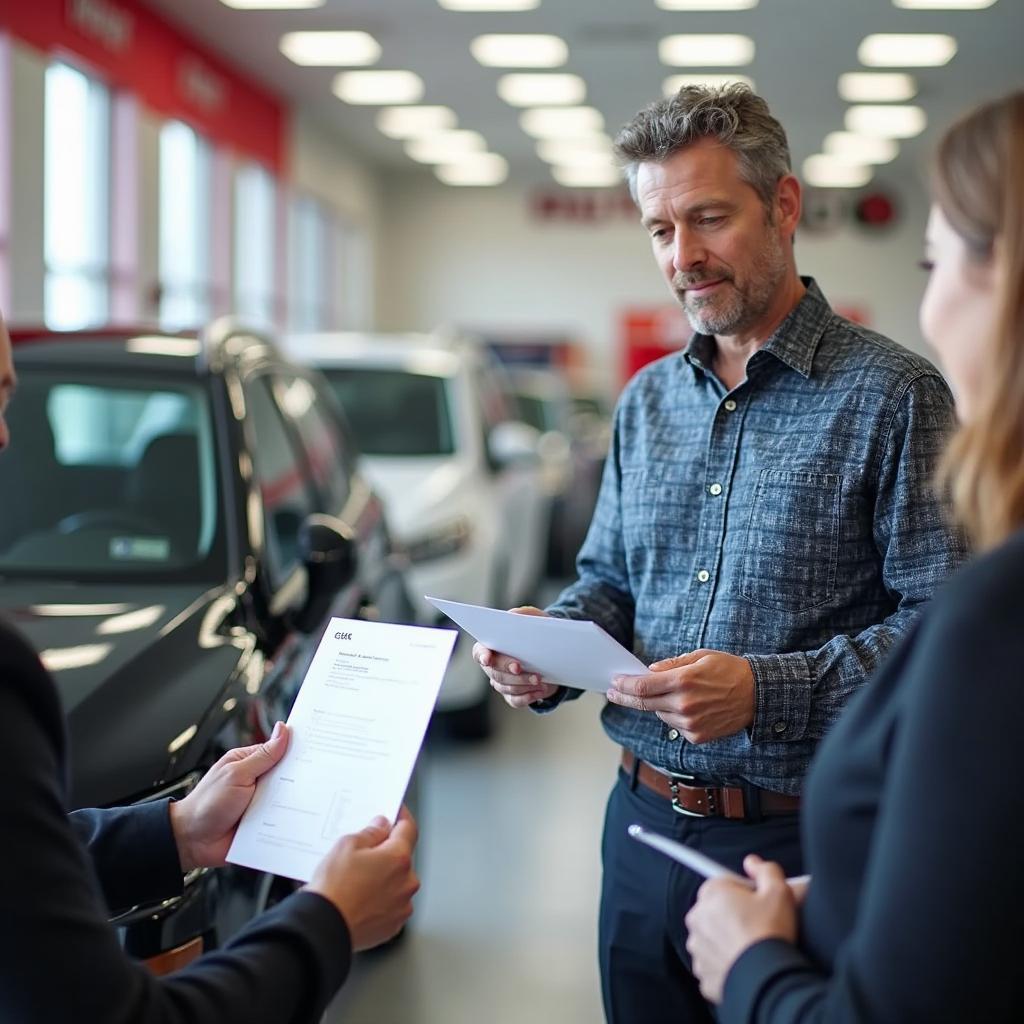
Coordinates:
(674,782)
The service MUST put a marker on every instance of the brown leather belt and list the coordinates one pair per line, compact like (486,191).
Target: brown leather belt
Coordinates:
(707,801)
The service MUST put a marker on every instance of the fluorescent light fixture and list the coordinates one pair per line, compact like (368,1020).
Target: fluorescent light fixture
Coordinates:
(511,51)
(589,151)
(906,50)
(705,5)
(587,177)
(272,5)
(445,147)
(412,122)
(476,169)
(541,90)
(861,149)
(160,346)
(824,171)
(674,83)
(561,122)
(943,5)
(892,122)
(86,610)
(378,87)
(57,659)
(877,87)
(329,49)
(489,5)
(706,51)
(141,618)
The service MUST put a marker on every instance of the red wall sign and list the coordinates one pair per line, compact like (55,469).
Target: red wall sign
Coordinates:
(131,48)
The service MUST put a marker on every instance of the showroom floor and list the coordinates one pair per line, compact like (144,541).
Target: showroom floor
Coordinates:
(505,924)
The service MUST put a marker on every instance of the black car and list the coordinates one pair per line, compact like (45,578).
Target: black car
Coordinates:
(179,516)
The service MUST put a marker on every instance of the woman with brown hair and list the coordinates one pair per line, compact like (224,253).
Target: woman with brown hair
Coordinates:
(914,818)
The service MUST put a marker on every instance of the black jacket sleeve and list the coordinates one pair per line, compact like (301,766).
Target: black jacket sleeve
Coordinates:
(937,932)
(59,958)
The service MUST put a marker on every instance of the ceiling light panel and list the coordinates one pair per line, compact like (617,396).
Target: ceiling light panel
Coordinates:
(877,87)
(561,122)
(705,5)
(489,5)
(512,51)
(943,5)
(378,87)
(906,50)
(891,122)
(587,177)
(413,122)
(445,147)
(272,5)
(541,90)
(861,149)
(824,171)
(478,169)
(706,51)
(674,83)
(596,152)
(330,49)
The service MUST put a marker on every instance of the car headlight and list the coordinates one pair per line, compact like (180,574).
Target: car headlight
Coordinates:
(448,539)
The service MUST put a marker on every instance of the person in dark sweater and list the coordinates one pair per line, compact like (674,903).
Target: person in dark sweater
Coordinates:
(63,874)
(914,822)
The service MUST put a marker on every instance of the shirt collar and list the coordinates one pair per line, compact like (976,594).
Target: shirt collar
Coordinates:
(794,342)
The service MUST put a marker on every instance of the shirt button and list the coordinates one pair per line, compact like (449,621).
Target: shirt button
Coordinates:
(715,489)
(703,575)
(730,405)
(673,734)
(779,727)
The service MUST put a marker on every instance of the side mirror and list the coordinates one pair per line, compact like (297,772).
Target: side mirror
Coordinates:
(513,443)
(327,547)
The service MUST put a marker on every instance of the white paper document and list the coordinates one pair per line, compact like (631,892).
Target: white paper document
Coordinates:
(357,726)
(570,652)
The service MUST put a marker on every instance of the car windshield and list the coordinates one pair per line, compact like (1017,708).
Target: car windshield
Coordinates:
(394,412)
(532,410)
(107,477)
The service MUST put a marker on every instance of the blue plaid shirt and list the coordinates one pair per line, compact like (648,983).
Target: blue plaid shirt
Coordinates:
(791,520)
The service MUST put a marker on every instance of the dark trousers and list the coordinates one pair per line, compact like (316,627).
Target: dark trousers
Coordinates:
(645,969)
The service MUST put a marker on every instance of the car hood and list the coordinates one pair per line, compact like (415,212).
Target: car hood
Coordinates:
(137,668)
(419,492)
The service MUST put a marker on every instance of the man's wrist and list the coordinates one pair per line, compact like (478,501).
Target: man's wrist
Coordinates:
(178,814)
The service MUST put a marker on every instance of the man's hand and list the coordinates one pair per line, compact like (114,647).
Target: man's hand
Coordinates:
(703,694)
(506,674)
(728,918)
(204,822)
(369,878)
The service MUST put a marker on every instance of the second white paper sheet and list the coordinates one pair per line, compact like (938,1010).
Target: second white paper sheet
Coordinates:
(357,726)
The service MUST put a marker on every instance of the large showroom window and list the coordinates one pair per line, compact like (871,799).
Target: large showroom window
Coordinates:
(186,180)
(76,189)
(310,265)
(255,215)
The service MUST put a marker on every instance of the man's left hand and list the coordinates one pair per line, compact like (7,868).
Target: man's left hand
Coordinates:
(703,694)
(728,919)
(204,822)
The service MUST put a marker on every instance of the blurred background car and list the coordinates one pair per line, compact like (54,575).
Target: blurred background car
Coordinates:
(180,520)
(572,455)
(460,476)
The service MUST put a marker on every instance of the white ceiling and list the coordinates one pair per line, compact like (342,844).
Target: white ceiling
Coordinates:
(802,47)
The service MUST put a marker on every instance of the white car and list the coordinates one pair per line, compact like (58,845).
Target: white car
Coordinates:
(460,480)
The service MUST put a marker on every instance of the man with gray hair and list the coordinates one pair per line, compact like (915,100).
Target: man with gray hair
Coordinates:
(766,531)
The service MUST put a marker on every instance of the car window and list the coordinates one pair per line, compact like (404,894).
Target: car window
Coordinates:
(394,412)
(112,476)
(322,442)
(283,479)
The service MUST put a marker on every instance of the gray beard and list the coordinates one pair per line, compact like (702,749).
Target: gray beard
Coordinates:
(739,309)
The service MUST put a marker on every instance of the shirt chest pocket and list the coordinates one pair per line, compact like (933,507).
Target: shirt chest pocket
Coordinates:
(790,545)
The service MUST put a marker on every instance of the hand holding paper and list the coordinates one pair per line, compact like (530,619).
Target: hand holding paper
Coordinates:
(357,726)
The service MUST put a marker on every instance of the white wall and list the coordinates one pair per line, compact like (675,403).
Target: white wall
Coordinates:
(479,259)
(320,164)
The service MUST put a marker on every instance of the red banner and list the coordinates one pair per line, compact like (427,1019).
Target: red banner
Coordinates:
(131,48)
